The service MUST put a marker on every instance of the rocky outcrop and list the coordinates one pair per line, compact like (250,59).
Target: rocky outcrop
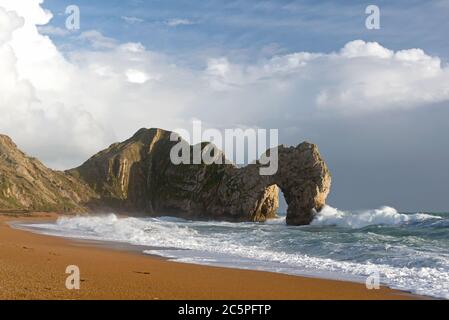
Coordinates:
(305,181)
(137,175)
(302,176)
(26,184)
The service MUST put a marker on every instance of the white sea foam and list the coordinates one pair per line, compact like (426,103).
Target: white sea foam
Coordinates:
(273,246)
(382,216)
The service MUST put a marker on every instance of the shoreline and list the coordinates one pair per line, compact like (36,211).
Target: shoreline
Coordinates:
(144,250)
(32,266)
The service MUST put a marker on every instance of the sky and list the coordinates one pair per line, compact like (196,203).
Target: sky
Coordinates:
(376,102)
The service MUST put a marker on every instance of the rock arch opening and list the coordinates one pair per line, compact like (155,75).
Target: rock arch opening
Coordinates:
(304,180)
(282,209)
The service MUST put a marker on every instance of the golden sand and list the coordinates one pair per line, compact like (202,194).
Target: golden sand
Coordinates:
(33,266)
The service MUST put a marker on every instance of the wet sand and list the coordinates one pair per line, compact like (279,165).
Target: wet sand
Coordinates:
(33,266)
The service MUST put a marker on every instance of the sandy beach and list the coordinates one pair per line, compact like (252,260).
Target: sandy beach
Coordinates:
(33,266)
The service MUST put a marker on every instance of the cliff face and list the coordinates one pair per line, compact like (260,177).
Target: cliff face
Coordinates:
(138,176)
(26,184)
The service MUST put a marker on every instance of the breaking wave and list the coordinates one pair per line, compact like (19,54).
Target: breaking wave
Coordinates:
(410,251)
(382,216)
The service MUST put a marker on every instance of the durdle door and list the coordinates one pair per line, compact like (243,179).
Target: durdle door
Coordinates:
(137,176)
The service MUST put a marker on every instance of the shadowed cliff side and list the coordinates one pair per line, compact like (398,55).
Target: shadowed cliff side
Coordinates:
(137,175)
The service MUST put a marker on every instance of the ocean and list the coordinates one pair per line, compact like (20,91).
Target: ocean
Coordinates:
(408,251)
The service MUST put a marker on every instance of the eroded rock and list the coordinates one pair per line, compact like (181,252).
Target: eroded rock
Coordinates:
(138,176)
(26,184)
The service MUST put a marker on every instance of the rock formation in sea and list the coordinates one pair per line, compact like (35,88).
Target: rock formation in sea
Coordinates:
(137,176)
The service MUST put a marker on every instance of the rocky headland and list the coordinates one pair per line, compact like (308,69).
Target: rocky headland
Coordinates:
(137,176)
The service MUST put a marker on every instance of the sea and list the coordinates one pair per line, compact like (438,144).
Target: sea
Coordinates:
(406,251)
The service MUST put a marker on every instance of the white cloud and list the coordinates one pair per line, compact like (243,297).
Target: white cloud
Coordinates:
(32,71)
(53,31)
(133,47)
(30,9)
(16,92)
(65,109)
(97,40)
(9,21)
(179,22)
(132,20)
(361,77)
(136,76)
(359,48)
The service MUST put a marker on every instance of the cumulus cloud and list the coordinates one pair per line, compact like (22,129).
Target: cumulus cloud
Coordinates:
(33,71)
(15,93)
(361,77)
(9,21)
(63,109)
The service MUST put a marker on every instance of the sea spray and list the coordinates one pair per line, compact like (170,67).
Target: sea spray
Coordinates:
(411,251)
(382,216)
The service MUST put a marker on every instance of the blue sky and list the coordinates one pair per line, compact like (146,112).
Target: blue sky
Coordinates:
(249,28)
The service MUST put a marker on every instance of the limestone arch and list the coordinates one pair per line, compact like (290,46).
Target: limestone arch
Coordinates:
(304,179)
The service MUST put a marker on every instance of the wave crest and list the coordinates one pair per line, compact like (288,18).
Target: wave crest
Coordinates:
(330,216)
